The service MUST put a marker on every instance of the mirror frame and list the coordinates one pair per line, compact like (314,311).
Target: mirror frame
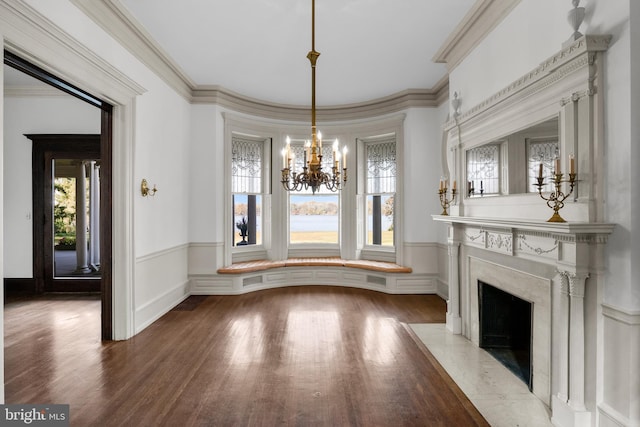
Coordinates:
(564,86)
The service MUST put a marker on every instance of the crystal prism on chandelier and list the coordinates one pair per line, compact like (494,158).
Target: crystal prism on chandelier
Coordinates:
(312,176)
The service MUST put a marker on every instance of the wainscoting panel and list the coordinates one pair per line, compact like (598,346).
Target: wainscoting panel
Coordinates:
(621,388)
(161,283)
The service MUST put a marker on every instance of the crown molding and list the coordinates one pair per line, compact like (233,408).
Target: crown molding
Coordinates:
(399,101)
(441,89)
(483,17)
(116,20)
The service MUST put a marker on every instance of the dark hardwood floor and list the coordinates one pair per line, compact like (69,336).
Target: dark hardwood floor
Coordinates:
(298,356)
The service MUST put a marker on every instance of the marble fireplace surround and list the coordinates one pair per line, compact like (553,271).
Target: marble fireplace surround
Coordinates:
(537,291)
(556,266)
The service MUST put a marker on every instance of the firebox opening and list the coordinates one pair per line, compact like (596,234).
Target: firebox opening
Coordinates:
(505,329)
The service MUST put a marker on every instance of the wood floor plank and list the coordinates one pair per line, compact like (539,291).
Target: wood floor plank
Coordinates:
(297,356)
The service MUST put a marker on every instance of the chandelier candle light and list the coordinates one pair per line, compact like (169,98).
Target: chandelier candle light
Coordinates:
(312,174)
(442,191)
(556,198)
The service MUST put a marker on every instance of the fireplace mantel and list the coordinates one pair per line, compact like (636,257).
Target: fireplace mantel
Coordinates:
(563,257)
(557,229)
(563,244)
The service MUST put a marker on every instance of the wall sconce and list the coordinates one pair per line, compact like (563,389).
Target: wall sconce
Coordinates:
(146,191)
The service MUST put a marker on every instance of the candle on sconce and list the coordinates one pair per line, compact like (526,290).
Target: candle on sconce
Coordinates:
(292,159)
(344,156)
(540,171)
(284,158)
(557,171)
(441,185)
(572,164)
(335,149)
(320,142)
(455,186)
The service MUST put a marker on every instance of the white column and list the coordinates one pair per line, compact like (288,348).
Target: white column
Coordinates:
(454,322)
(576,341)
(81,219)
(563,339)
(94,217)
(568,405)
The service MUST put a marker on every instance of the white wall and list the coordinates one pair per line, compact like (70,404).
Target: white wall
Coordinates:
(206,174)
(32,115)
(422,171)
(163,129)
(532,32)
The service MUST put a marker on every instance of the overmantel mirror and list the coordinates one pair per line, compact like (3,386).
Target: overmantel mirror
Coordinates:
(549,119)
(511,164)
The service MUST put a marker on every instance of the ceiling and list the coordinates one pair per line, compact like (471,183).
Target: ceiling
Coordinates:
(369,49)
(257,48)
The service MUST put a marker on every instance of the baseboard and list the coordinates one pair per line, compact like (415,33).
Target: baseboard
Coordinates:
(159,306)
(443,289)
(19,286)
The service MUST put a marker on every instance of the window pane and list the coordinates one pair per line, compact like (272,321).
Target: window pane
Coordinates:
(483,169)
(314,218)
(381,166)
(541,152)
(380,219)
(380,156)
(247,219)
(246,165)
(297,149)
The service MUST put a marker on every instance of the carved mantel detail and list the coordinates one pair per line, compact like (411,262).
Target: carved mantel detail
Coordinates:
(565,58)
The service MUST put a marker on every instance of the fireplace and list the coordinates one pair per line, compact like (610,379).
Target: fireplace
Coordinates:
(525,281)
(505,329)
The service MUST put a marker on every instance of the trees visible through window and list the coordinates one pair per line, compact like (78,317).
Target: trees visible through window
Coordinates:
(247,188)
(380,190)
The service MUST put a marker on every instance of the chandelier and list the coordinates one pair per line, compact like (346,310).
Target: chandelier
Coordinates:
(312,174)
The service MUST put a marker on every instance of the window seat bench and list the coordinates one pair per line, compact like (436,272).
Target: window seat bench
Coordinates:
(260,265)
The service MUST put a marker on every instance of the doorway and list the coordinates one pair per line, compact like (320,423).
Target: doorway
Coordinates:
(66,194)
(103,154)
